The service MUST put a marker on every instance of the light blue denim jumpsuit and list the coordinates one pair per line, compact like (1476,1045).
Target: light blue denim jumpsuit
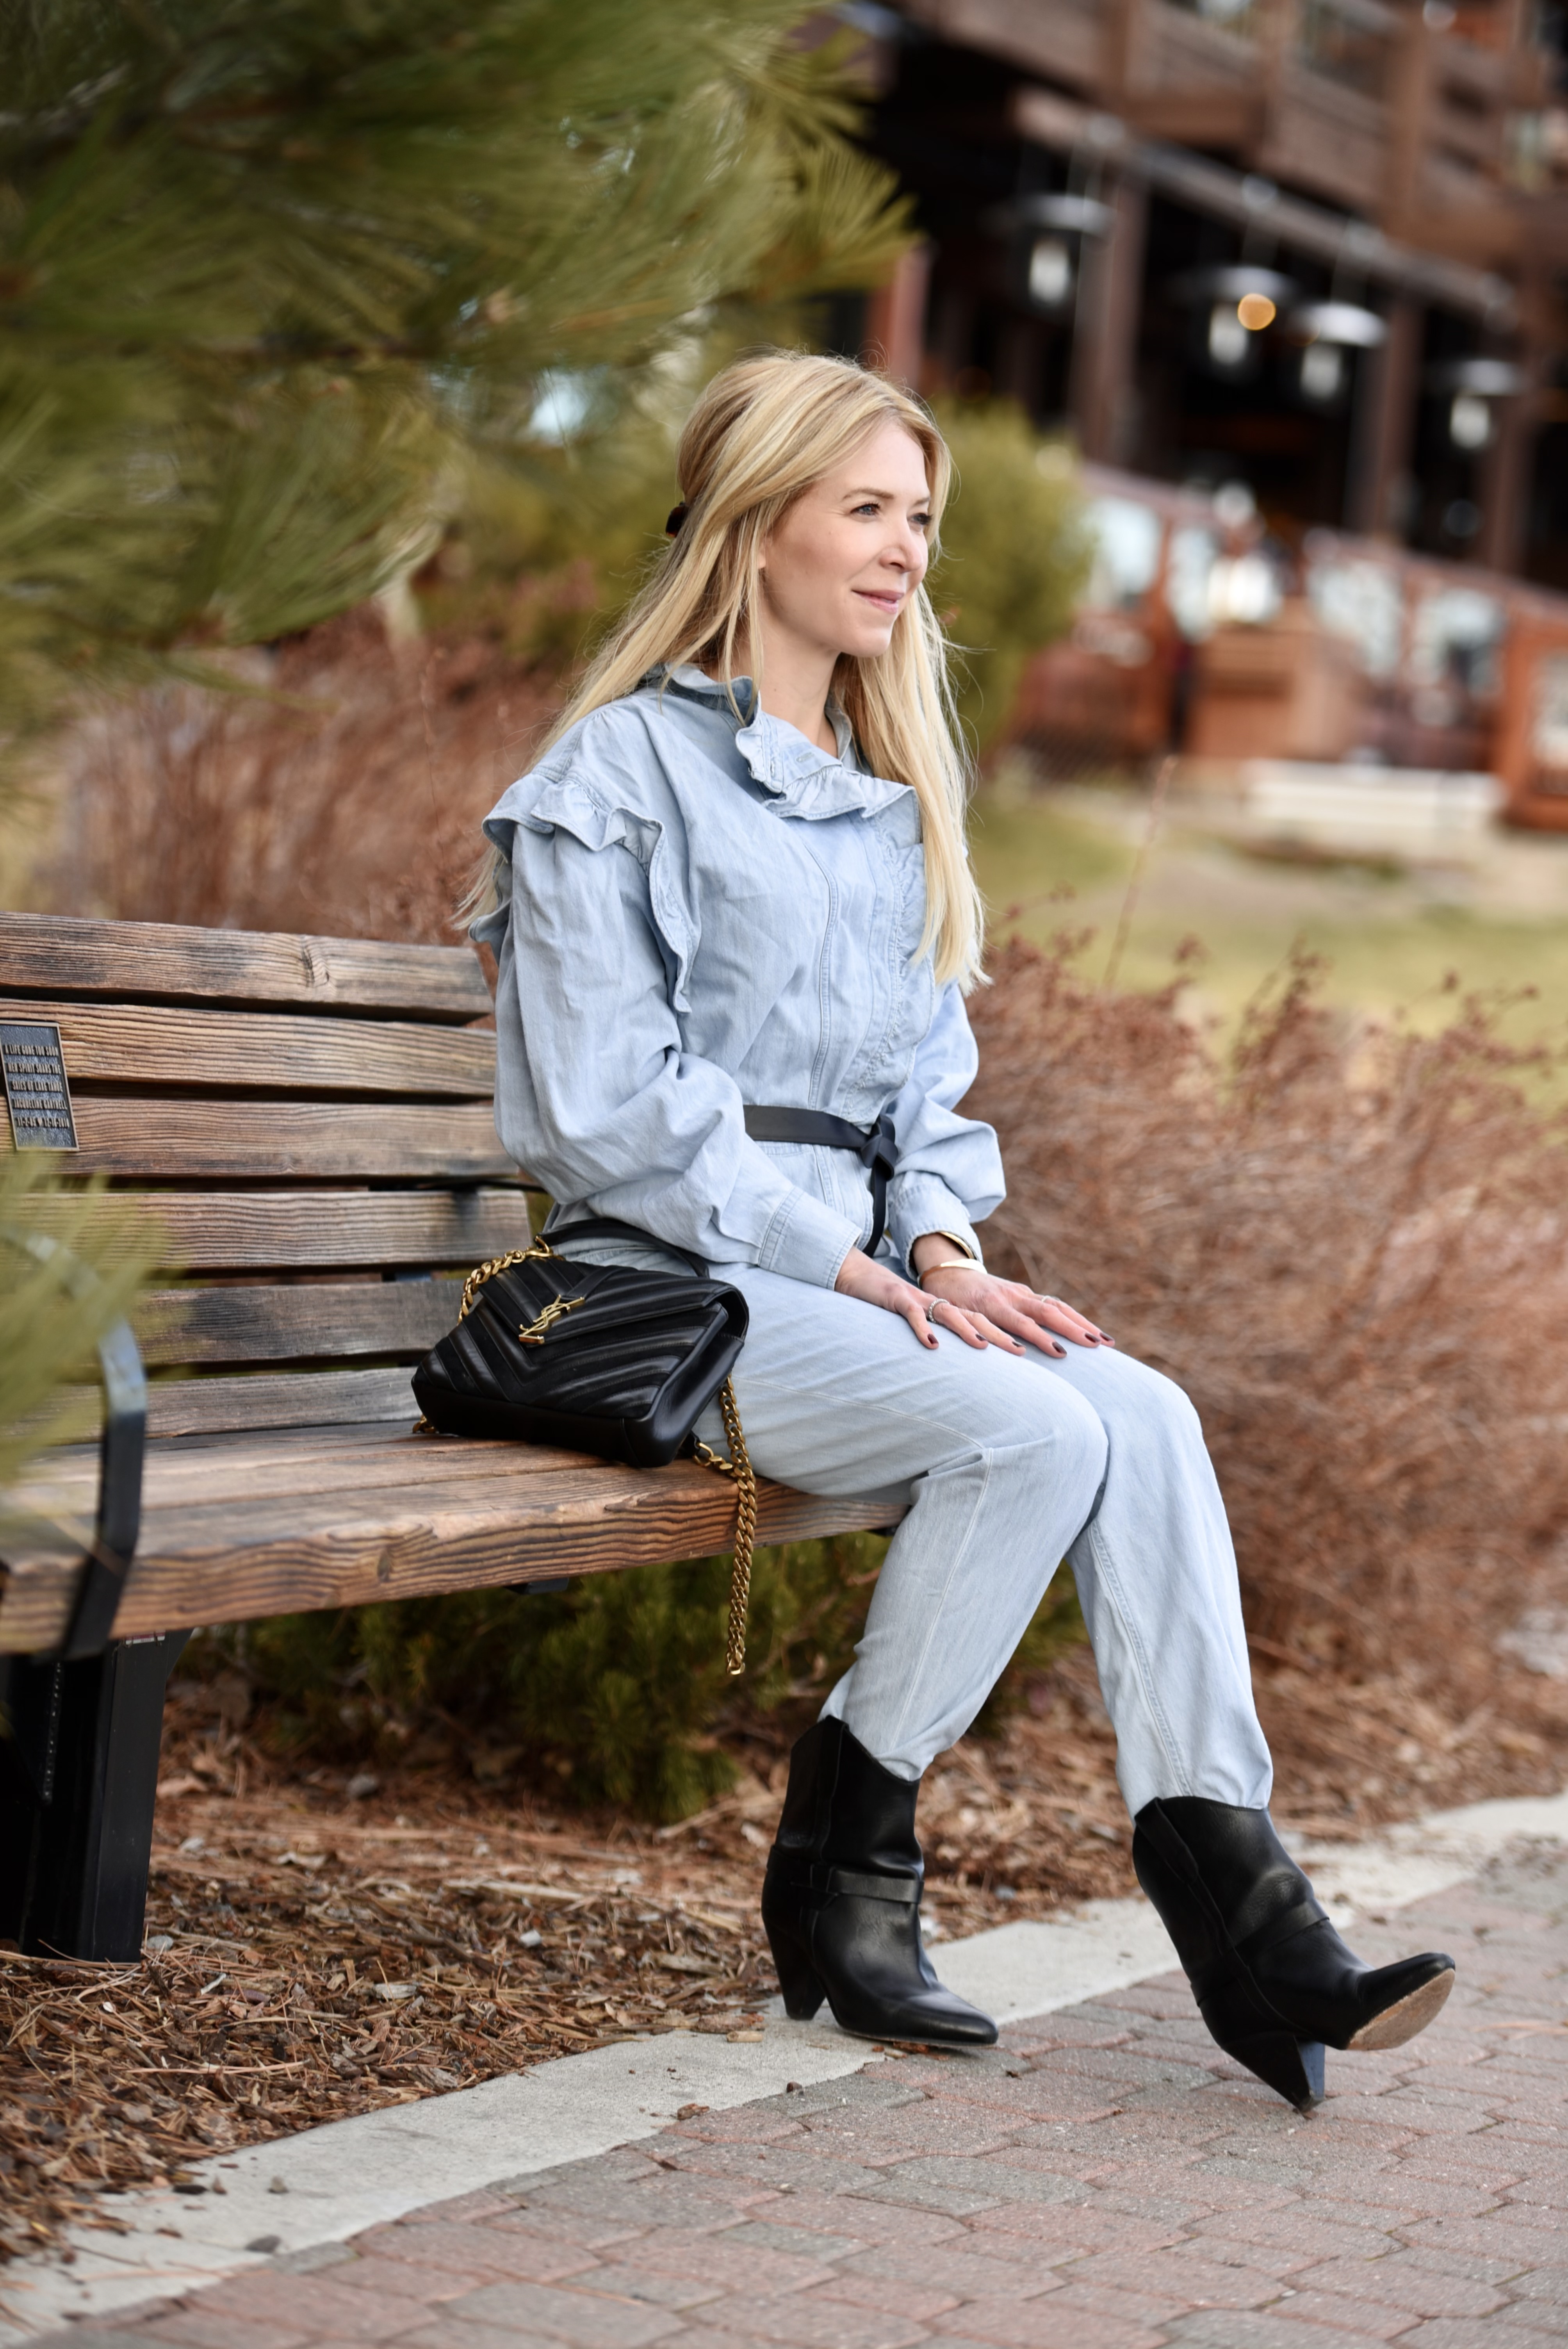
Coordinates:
(702,913)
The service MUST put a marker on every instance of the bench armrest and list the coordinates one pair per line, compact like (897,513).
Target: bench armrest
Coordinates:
(121,1453)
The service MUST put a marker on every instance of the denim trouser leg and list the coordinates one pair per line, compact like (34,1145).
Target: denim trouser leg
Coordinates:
(1007,1465)
(1156,1575)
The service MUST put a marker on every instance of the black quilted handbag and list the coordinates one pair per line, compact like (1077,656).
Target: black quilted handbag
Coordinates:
(598,1358)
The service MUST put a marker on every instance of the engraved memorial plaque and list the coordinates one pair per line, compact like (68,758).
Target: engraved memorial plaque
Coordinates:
(36,1094)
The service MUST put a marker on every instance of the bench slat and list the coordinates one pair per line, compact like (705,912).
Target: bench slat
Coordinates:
(232,1469)
(322,1231)
(149,1044)
(218,1139)
(290,1399)
(235,1564)
(309,1320)
(163,961)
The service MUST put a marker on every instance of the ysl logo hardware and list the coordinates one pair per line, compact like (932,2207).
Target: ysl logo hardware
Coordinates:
(535,1333)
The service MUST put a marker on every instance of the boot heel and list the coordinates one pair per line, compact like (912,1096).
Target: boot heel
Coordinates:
(803,1992)
(1312,2059)
(1293,2068)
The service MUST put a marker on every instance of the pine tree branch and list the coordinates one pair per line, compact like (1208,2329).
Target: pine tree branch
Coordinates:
(266,265)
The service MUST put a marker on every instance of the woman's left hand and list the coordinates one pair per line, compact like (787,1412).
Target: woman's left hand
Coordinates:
(975,1305)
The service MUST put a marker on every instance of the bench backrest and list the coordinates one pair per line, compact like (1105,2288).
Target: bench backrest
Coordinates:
(309,1121)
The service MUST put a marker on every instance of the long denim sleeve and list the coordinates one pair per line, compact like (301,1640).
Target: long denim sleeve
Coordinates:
(701,914)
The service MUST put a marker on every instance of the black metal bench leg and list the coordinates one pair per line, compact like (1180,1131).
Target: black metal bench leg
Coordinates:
(78,1777)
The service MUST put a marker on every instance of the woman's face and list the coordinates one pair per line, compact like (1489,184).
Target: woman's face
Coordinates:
(846,558)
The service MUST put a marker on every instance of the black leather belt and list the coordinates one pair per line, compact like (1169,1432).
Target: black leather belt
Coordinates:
(873,1145)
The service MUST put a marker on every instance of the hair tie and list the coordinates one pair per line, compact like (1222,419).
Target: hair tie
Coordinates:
(677,514)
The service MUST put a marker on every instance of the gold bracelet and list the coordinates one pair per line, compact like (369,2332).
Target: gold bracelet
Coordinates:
(948,1264)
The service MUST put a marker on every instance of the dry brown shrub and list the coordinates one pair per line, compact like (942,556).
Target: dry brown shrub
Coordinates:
(342,796)
(1349,1250)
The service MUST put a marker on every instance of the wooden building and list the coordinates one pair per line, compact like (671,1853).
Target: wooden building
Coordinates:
(1317,247)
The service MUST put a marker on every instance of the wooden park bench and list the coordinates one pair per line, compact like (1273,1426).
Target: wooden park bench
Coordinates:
(306,1126)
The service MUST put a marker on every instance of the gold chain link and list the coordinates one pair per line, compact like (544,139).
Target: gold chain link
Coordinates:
(476,1280)
(739,1466)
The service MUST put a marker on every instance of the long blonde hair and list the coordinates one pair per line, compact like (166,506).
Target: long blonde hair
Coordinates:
(761,434)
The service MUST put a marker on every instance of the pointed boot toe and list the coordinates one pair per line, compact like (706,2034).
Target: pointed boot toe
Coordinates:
(841,1901)
(1402,1999)
(875,1991)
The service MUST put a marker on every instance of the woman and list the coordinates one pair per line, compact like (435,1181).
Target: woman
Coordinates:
(734,922)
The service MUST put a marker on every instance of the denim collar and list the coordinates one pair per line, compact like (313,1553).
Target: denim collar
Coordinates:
(809,781)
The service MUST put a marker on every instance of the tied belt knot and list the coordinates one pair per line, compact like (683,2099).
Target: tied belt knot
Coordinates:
(875,1146)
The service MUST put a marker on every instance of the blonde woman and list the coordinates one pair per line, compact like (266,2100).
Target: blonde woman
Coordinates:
(734,923)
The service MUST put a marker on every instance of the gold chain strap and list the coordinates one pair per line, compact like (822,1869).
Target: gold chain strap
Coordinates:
(739,1466)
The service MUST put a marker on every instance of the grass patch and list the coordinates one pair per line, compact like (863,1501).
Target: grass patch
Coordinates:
(1390,939)
(1029,851)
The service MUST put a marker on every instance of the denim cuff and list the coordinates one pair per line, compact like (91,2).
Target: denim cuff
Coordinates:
(923,1203)
(806,1240)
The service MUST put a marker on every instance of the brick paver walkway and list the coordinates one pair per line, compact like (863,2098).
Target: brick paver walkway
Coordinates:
(1103,2180)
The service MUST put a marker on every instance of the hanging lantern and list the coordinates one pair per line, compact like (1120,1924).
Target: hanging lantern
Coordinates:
(1045,236)
(1474,387)
(1330,332)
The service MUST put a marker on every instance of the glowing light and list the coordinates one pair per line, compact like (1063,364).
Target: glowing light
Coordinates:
(1050,272)
(1469,421)
(1322,371)
(1227,337)
(1255,312)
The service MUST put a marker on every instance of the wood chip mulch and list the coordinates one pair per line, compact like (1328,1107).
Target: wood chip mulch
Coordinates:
(326,1944)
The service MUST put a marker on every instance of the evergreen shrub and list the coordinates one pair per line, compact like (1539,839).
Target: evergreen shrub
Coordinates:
(1014,553)
(616,1687)
(70,1268)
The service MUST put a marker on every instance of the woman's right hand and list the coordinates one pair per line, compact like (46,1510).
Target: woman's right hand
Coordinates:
(877,1284)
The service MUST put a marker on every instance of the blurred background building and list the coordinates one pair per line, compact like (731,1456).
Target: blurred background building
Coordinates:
(1292,275)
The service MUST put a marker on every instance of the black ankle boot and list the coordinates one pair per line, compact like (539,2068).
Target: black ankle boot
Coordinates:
(1273,1979)
(841,1900)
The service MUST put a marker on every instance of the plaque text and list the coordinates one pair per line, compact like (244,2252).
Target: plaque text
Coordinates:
(36,1094)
